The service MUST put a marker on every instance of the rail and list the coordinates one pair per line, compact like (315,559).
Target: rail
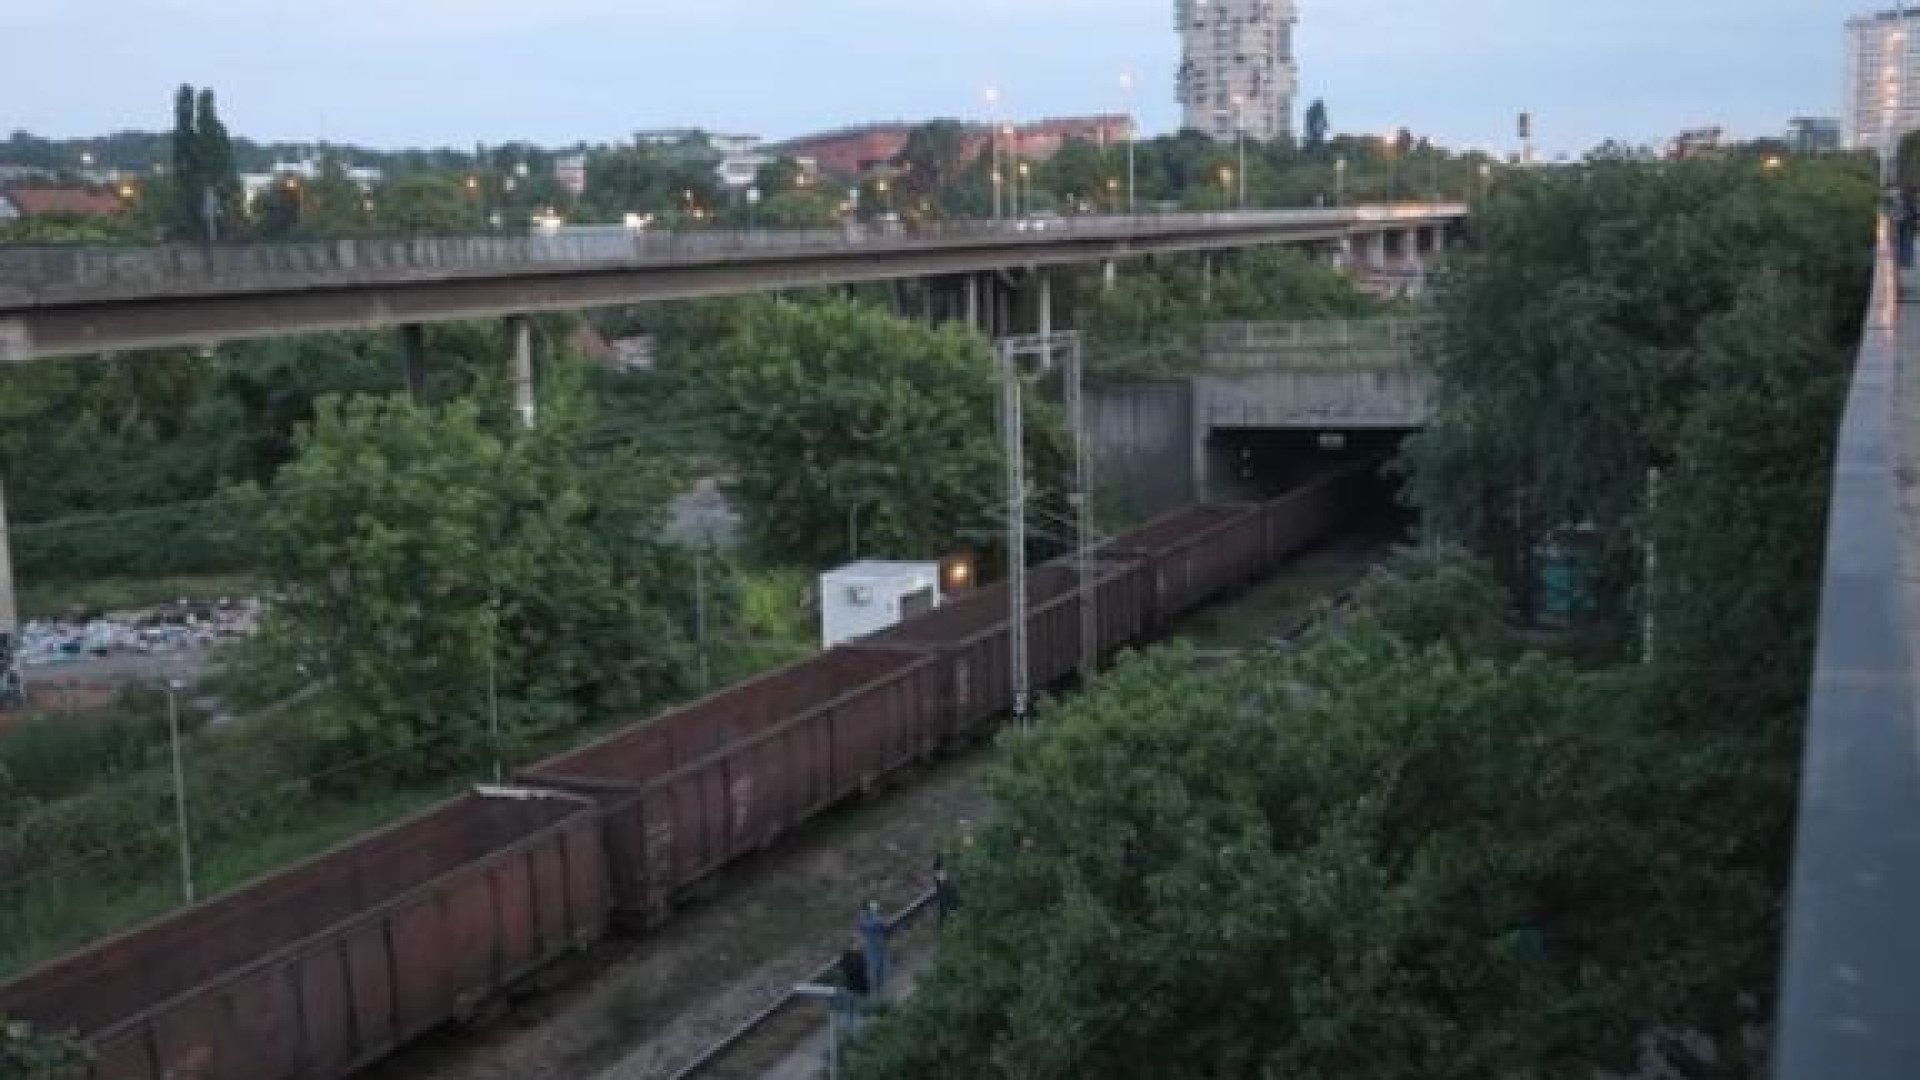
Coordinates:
(720,1061)
(1318,335)
(1850,979)
(60,274)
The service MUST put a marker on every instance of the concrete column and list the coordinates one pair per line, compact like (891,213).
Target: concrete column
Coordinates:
(1439,239)
(1412,253)
(413,360)
(1199,428)
(520,334)
(1377,250)
(1045,301)
(11,691)
(973,302)
(9,614)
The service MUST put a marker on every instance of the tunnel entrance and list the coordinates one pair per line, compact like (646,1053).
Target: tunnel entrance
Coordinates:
(1264,463)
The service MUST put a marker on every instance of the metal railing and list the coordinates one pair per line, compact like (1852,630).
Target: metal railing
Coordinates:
(52,274)
(1317,336)
(1850,980)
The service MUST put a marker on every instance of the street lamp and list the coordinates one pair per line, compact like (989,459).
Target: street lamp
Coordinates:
(1340,182)
(1486,179)
(1240,138)
(753,208)
(1126,90)
(1023,191)
(992,96)
(174,686)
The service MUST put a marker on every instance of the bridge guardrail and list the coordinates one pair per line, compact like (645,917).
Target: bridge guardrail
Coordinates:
(32,276)
(1850,979)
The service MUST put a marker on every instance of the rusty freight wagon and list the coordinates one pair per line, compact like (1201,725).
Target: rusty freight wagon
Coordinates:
(1196,555)
(317,970)
(969,636)
(787,745)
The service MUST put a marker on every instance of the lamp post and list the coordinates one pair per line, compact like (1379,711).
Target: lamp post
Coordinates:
(1023,190)
(174,686)
(992,96)
(1126,91)
(1340,182)
(753,208)
(1240,139)
(1486,179)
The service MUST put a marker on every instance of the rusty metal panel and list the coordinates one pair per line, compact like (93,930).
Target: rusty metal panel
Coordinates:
(257,985)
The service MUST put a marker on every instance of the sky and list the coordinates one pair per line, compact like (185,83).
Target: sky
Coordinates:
(393,73)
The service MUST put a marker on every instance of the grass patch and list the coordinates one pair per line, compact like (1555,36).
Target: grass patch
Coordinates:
(46,600)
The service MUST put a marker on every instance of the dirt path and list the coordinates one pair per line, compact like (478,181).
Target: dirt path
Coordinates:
(637,1010)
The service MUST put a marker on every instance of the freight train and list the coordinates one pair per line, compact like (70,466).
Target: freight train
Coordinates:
(313,972)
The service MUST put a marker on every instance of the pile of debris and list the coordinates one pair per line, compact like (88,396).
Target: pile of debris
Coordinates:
(177,627)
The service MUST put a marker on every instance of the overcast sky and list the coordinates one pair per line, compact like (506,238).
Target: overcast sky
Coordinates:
(453,72)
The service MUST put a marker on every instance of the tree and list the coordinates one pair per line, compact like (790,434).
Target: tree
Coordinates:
(188,219)
(1161,307)
(213,157)
(428,202)
(836,414)
(930,163)
(426,555)
(1316,125)
(1370,858)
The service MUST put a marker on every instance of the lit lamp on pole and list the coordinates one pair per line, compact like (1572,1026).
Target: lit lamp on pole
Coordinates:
(1340,181)
(1023,190)
(1226,182)
(992,97)
(753,207)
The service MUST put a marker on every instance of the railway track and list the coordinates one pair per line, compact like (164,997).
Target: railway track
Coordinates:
(777,1032)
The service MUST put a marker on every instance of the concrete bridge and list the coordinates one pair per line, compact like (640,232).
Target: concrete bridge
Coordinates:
(71,301)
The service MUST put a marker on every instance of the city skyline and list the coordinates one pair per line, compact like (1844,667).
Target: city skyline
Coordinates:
(440,72)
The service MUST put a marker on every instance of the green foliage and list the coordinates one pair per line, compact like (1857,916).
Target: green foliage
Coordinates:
(1444,596)
(428,203)
(423,551)
(203,177)
(1161,307)
(1371,858)
(29,1055)
(1571,351)
(834,410)
(1316,125)
(670,183)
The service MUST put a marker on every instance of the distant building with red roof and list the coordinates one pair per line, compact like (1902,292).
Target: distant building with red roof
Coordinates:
(855,151)
(24,202)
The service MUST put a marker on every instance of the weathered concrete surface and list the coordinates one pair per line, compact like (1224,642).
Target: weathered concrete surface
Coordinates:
(1141,434)
(74,301)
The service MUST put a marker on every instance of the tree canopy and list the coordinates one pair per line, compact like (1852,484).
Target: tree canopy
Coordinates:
(841,419)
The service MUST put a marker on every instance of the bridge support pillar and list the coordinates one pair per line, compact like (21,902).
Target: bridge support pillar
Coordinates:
(1377,251)
(1043,290)
(413,360)
(1411,256)
(971,287)
(1439,239)
(520,335)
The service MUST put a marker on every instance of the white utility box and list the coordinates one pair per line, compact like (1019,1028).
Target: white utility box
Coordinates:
(868,597)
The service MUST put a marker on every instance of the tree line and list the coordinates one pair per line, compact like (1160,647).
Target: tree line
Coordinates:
(1435,841)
